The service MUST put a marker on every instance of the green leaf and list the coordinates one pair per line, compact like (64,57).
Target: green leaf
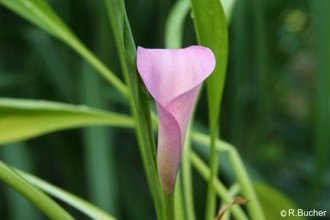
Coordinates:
(273,202)
(175,24)
(76,202)
(22,119)
(212,32)
(39,13)
(139,98)
(321,117)
(228,6)
(211,29)
(38,198)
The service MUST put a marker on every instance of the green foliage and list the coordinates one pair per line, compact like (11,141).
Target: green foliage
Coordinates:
(22,119)
(273,201)
(267,106)
(139,99)
(211,30)
(80,204)
(39,13)
(41,200)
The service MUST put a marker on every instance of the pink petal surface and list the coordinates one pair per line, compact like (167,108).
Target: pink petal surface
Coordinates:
(173,77)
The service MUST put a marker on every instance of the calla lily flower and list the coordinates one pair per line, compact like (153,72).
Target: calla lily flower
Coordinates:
(173,77)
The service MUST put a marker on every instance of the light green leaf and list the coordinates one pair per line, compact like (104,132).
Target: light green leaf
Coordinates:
(228,6)
(76,202)
(39,13)
(175,24)
(38,198)
(273,202)
(22,119)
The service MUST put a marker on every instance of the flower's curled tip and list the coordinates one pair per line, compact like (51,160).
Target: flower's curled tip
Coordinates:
(173,78)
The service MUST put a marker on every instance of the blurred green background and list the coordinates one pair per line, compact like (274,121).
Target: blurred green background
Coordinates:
(276,105)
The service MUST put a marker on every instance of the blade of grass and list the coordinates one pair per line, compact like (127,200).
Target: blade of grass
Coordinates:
(228,6)
(39,13)
(322,97)
(18,155)
(139,98)
(38,198)
(18,115)
(254,207)
(211,30)
(260,61)
(76,202)
(219,188)
(237,76)
(99,160)
(175,24)
(54,66)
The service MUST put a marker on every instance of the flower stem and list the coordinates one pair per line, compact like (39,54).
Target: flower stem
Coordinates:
(254,207)
(211,199)
(186,177)
(218,187)
(169,206)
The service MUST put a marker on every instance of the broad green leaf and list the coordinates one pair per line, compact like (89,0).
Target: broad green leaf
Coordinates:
(22,119)
(211,30)
(273,202)
(72,200)
(139,98)
(38,198)
(39,13)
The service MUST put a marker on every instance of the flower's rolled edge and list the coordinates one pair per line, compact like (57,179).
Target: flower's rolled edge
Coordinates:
(198,82)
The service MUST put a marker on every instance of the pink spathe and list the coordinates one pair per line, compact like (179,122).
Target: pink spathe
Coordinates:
(173,77)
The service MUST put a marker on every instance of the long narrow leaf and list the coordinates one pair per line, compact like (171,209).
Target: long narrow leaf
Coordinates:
(175,24)
(139,99)
(39,13)
(211,29)
(76,202)
(18,155)
(38,198)
(322,94)
(22,119)
(98,151)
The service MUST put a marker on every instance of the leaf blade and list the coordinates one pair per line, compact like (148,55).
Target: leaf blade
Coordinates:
(211,30)
(40,14)
(22,119)
(139,98)
(38,198)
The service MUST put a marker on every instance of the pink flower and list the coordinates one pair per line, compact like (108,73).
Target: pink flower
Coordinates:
(173,77)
